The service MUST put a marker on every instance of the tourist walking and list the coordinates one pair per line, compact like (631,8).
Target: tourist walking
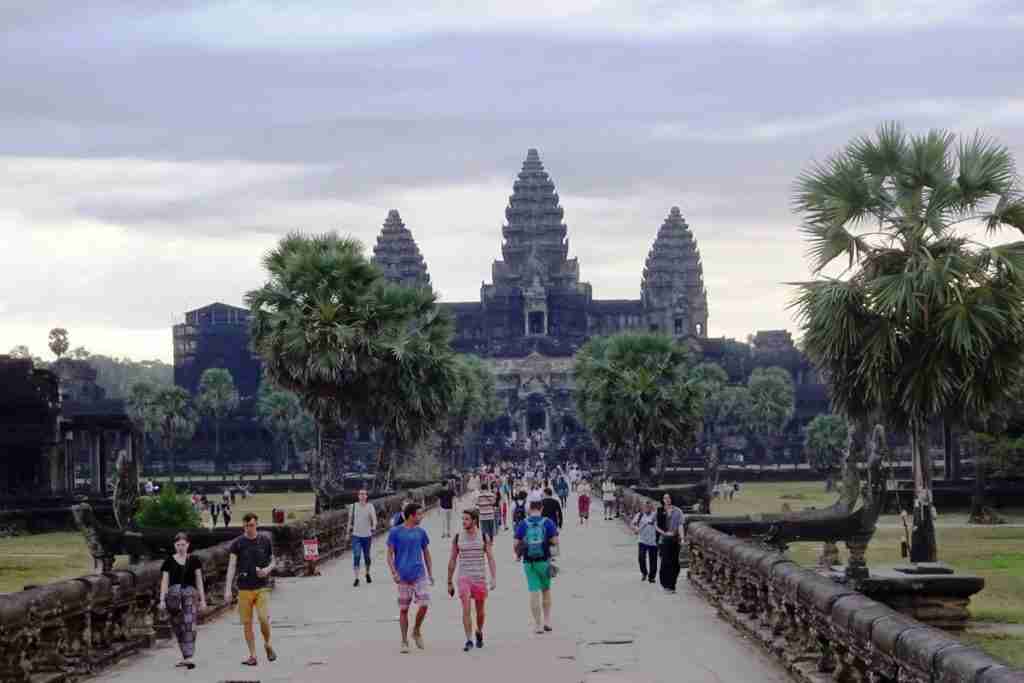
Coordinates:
(252,556)
(446,501)
(485,502)
(181,584)
(551,508)
(225,511)
(214,514)
(645,527)
(608,497)
(412,571)
(583,501)
(535,537)
(398,519)
(562,490)
(470,549)
(362,525)
(671,544)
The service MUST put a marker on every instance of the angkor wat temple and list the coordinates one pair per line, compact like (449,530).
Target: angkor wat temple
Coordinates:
(536,313)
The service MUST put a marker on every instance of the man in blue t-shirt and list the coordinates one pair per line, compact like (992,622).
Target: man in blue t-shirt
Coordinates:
(536,537)
(411,568)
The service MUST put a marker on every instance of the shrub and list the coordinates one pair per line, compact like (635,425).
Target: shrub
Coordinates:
(169,510)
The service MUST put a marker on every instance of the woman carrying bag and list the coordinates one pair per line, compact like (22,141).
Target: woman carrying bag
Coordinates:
(181,583)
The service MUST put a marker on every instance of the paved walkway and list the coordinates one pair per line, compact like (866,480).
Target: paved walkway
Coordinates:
(609,627)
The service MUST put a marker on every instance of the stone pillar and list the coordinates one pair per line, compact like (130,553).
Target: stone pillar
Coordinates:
(94,461)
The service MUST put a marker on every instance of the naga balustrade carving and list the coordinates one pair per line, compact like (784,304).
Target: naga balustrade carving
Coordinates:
(817,626)
(69,629)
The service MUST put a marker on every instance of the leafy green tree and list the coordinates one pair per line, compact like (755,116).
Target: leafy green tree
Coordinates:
(772,402)
(177,421)
(218,398)
(145,413)
(80,353)
(475,402)
(635,395)
(20,351)
(923,322)
(824,444)
(59,342)
(169,510)
(282,413)
(354,348)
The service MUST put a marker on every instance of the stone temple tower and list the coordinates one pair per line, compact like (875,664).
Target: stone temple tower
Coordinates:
(398,256)
(673,295)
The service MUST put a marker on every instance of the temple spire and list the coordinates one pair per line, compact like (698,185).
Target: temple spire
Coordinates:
(672,289)
(398,256)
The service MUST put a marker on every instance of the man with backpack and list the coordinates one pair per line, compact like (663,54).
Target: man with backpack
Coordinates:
(536,536)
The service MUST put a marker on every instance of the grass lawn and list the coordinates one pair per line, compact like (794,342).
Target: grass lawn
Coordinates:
(43,558)
(993,552)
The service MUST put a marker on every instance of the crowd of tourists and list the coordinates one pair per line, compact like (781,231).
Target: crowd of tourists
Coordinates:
(530,500)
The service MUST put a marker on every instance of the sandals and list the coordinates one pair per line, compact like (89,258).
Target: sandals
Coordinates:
(250,662)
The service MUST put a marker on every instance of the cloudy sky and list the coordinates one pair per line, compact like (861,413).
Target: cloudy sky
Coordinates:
(152,150)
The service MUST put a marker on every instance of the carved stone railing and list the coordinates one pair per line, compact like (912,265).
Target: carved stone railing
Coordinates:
(817,626)
(76,627)
(68,629)
(331,530)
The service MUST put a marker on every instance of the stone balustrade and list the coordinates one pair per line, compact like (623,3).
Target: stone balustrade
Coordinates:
(68,629)
(818,627)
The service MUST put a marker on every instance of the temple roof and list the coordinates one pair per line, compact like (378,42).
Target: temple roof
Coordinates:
(535,242)
(397,255)
(673,273)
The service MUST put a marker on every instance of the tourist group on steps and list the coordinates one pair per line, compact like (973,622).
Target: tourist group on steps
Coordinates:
(530,501)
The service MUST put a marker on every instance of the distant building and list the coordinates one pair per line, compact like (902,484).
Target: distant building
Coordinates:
(215,336)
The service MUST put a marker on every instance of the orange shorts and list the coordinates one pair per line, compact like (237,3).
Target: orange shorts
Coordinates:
(258,600)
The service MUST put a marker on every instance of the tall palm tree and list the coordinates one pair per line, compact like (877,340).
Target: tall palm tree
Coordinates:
(177,423)
(281,412)
(923,322)
(772,403)
(354,348)
(635,394)
(218,398)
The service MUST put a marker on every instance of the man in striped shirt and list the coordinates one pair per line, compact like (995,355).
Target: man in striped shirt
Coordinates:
(469,550)
(485,502)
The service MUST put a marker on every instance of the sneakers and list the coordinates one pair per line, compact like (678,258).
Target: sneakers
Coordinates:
(368,579)
(418,639)
(468,646)
(405,648)
(643,577)
(355,583)
(538,629)
(479,639)
(548,629)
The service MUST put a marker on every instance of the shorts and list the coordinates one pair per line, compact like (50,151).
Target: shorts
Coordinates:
(471,588)
(538,576)
(249,600)
(417,591)
(487,526)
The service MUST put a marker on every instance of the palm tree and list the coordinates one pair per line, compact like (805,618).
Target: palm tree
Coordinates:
(415,379)
(59,342)
(474,403)
(217,397)
(923,322)
(329,328)
(824,444)
(281,412)
(177,420)
(144,412)
(772,402)
(635,394)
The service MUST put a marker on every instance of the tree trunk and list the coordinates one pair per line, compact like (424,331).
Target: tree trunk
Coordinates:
(922,545)
(216,433)
(327,472)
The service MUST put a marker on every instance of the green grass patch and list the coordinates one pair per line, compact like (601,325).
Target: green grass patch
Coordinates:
(1006,647)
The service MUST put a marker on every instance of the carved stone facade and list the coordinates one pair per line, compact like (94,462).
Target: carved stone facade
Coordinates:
(536,313)
(398,256)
